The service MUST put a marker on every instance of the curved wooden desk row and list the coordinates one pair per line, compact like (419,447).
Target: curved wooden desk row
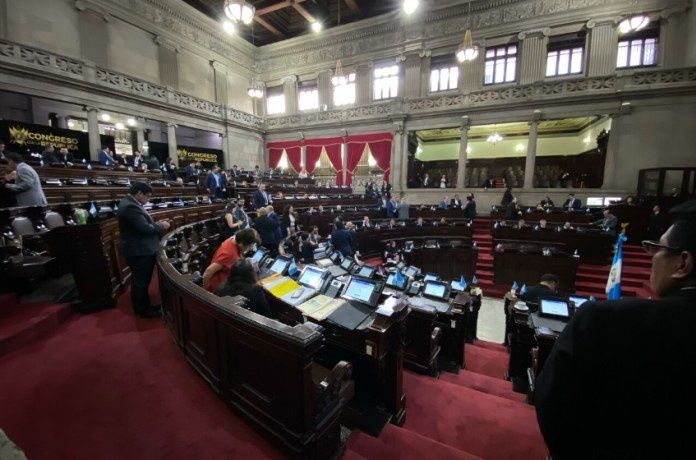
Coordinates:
(259,366)
(593,246)
(524,262)
(556,216)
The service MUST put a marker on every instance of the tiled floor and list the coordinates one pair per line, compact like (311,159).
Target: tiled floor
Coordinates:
(491,320)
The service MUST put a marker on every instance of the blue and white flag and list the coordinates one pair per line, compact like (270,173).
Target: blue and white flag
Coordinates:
(474,280)
(613,288)
(399,278)
(292,269)
(462,282)
(380,272)
(514,286)
(92,210)
(592,298)
(524,289)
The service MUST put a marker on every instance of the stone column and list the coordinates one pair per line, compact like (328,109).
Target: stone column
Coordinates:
(3,19)
(533,55)
(61,122)
(530,163)
(602,52)
(672,42)
(93,132)
(220,79)
(171,142)
(344,160)
(395,158)
(303,156)
(325,89)
(463,144)
(425,72)
(260,103)
(363,84)
(412,63)
(168,61)
(139,133)
(617,120)
(290,92)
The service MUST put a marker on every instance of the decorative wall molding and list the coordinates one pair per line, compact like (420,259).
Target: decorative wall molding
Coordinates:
(131,85)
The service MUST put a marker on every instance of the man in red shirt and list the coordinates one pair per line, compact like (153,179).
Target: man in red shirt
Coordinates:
(231,250)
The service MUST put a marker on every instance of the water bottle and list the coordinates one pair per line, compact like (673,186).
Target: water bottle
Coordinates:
(89,166)
(41,162)
(84,161)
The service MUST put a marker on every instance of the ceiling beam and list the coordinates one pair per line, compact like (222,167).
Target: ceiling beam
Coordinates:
(353,6)
(268,26)
(272,8)
(300,9)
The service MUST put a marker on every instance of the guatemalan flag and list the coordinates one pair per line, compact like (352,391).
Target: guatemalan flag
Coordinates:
(613,288)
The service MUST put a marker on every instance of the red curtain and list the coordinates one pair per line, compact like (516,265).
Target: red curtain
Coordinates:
(333,151)
(380,147)
(274,156)
(381,152)
(275,152)
(295,158)
(313,152)
(355,151)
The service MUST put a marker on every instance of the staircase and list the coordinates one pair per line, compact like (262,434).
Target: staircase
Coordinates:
(471,415)
(484,267)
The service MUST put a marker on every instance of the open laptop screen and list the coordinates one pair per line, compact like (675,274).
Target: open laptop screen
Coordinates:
(280,265)
(366,271)
(311,277)
(411,272)
(360,290)
(435,290)
(555,308)
(430,277)
(258,255)
(578,301)
(391,281)
(346,263)
(456,285)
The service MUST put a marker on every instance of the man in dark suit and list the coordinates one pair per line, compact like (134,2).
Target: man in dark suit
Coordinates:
(341,240)
(48,156)
(609,222)
(470,207)
(140,237)
(105,157)
(64,156)
(619,381)
(547,287)
(658,223)
(215,183)
(572,203)
(513,211)
(455,202)
(191,172)
(260,198)
(2,149)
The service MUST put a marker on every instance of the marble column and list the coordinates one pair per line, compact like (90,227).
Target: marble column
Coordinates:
(61,122)
(363,84)
(612,149)
(530,162)
(93,132)
(601,57)
(303,156)
(533,51)
(3,19)
(325,89)
(139,133)
(672,44)
(396,159)
(412,75)
(344,160)
(171,142)
(290,92)
(463,145)
(220,79)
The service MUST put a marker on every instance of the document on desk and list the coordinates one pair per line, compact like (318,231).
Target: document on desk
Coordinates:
(320,307)
(390,306)
(282,287)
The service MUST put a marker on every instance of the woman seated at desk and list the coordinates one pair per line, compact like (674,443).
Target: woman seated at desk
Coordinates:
(314,236)
(392,255)
(242,281)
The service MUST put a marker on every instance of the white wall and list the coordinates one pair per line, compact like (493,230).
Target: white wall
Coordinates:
(133,51)
(195,75)
(52,26)
(690,57)
(237,97)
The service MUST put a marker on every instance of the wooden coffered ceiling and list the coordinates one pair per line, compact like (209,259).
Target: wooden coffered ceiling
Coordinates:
(546,127)
(277,20)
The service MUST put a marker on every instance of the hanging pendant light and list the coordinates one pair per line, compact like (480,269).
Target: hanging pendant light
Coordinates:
(339,79)
(239,11)
(467,51)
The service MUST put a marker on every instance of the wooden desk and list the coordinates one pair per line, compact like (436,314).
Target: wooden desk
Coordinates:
(372,240)
(512,265)
(556,216)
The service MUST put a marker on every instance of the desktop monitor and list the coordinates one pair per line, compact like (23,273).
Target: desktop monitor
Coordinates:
(280,265)
(346,263)
(367,271)
(335,257)
(391,282)
(412,272)
(436,290)
(578,301)
(554,308)
(595,201)
(609,200)
(431,277)
(362,290)
(311,277)
(456,285)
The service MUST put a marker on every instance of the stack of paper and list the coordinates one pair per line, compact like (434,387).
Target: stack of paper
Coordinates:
(283,287)
(319,307)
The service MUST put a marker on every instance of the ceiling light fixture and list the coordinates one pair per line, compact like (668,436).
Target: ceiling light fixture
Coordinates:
(119,125)
(634,23)
(467,51)
(105,117)
(494,138)
(317,26)
(254,90)
(410,6)
(131,122)
(239,11)
(339,79)
(229,27)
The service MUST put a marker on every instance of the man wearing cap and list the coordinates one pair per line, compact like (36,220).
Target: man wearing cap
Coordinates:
(619,381)
(140,237)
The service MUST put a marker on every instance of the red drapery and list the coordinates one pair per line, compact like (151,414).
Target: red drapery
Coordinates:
(355,151)
(333,151)
(380,147)
(295,157)
(275,152)
(313,152)
(274,156)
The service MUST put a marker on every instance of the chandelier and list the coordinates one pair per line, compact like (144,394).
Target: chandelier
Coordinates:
(339,79)
(633,23)
(467,51)
(494,138)
(239,11)
(254,90)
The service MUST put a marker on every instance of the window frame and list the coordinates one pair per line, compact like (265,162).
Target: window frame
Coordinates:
(396,79)
(304,87)
(650,32)
(275,92)
(439,64)
(352,82)
(507,56)
(570,43)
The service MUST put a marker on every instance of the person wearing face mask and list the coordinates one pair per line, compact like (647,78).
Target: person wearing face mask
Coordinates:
(140,237)
(618,383)
(231,250)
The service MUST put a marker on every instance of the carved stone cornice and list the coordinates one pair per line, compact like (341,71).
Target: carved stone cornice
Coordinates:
(171,44)
(466,122)
(82,5)
(611,22)
(219,66)
(534,33)
(289,79)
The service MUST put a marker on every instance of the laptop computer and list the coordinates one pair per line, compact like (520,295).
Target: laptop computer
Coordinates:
(362,296)
(391,287)
(435,296)
(555,309)
(431,277)
(456,286)
(412,271)
(577,301)
(280,265)
(366,271)
(310,281)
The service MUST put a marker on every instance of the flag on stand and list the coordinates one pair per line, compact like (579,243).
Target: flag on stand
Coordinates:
(514,285)
(462,282)
(613,288)
(474,280)
(399,278)
(92,210)
(524,289)
(292,269)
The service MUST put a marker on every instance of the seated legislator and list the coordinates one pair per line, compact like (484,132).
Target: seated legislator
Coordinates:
(546,203)
(572,203)
(455,202)
(242,281)
(366,222)
(418,222)
(231,250)
(609,222)
(619,381)
(513,210)
(392,254)
(543,225)
(443,203)
(64,156)
(547,287)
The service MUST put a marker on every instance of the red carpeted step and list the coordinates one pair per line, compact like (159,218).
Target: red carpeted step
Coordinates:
(352,455)
(21,325)
(484,384)
(493,363)
(402,444)
(491,345)
(485,425)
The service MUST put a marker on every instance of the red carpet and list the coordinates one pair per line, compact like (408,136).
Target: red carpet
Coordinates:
(492,363)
